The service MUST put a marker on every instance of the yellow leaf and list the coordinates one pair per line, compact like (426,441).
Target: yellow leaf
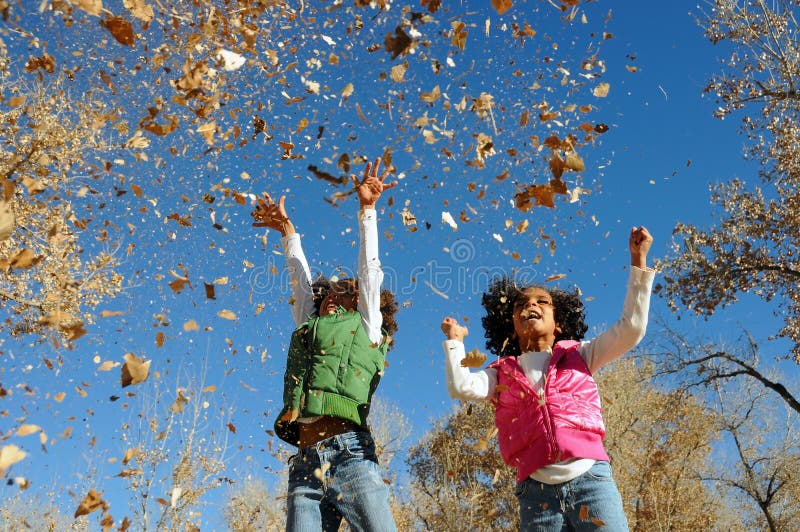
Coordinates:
(10,455)
(108,365)
(28,429)
(226,314)
(135,370)
(601,91)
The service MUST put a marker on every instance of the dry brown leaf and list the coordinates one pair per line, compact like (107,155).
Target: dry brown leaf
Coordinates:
(574,162)
(135,370)
(473,359)
(399,44)
(430,97)
(22,259)
(111,313)
(501,6)
(121,29)
(191,325)
(129,455)
(180,401)
(93,501)
(555,277)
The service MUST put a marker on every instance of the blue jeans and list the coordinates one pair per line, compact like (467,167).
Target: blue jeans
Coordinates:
(338,478)
(588,502)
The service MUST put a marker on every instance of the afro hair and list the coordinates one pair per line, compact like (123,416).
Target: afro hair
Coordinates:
(498,301)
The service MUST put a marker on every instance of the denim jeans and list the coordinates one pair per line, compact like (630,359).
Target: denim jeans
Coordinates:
(338,478)
(588,502)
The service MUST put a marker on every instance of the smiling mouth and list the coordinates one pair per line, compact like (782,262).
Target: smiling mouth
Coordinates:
(530,315)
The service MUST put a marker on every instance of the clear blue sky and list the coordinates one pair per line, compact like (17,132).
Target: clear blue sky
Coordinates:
(651,168)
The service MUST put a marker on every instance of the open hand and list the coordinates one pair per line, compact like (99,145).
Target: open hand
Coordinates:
(372,186)
(268,214)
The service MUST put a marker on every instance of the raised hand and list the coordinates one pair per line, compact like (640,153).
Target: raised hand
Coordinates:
(372,186)
(268,214)
(452,330)
(639,244)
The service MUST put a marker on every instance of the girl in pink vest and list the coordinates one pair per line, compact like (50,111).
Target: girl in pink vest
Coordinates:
(547,406)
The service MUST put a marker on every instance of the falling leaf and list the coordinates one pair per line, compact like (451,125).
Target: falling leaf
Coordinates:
(208,130)
(191,325)
(574,162)
(430,97)
(347,91)
(93,501)
(111,313)
(180,401)
(226,314)
(34,186)
(231,60)
(121,29)
(501,6)
(399,44)
(10,455)
(140,9)
(473,359)
(601,91)
(447,218)
(209,291)
(22,259)
(555,277)
(93,7)
(108,365)
(232,428)
(135,370)
(27,429)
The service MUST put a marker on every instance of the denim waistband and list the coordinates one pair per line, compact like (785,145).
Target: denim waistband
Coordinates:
(339,442)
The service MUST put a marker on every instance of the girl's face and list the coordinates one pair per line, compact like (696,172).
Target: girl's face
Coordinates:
(343,293)
(534,320)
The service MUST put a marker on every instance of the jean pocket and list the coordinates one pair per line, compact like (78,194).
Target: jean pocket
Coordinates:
(601,470)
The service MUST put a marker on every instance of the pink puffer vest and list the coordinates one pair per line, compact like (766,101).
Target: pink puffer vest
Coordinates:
(567,422)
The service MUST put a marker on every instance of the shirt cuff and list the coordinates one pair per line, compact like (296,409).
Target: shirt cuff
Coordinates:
(288,240)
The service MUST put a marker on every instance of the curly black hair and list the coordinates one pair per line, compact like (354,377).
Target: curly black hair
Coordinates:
(498,324)
(323,285)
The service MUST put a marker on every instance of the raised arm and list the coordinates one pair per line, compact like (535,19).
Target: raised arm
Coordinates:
(370,274)
(630,328)
(268,214)
(461,382)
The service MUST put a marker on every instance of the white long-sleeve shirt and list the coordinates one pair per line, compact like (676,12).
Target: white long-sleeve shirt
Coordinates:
(370,276)
(606,347)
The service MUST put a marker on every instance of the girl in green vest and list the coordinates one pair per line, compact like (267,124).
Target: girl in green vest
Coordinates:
(335,361)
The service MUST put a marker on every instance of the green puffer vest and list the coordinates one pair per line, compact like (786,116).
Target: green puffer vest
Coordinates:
(332,369)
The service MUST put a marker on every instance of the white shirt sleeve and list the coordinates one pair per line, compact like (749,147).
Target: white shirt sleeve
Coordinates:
(370,275)
(629,329)
(299,278)
(461,382)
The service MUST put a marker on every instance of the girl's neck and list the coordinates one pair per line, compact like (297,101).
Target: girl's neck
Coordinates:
(537,345)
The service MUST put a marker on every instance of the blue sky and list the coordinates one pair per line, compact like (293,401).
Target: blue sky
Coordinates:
(652,167)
